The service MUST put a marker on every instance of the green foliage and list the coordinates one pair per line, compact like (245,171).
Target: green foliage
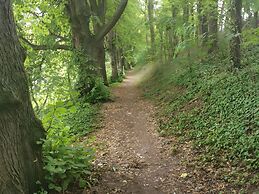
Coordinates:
(67,165)
(214,107)
(251,37)
(118,80)
(68,160)
(99,93)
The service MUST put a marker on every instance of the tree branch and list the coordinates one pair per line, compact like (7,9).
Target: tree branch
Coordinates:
(107,28)
(45,47)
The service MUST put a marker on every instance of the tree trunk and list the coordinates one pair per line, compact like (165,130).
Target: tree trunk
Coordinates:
(213,26)
(236,21)
(21,157)
(222,16)
(101,60)
(113,55)
(186,13)
(151,25)
(121,61)
(172,38)
(203,22)
(256,20)
(90,44)
(85,46)
(162,51)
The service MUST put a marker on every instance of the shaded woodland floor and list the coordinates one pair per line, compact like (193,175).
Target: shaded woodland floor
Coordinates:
(133,158)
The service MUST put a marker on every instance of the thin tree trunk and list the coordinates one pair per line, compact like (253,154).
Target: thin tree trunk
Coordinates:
(21,158)
(151,25)
(236,28)
(113,55)
(213,26)
(203,22)
(222,16)
(161,45)
(173,39)
(122,62)
(101,61)
(186,15)
(256,20)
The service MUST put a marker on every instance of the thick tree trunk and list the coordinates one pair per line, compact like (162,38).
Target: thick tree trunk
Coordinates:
(213,26)
(21,159)
(235,42)
(88,43)
(84,44)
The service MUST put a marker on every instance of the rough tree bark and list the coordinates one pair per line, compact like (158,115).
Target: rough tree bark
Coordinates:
(21,159)
(236,28)
(91,43)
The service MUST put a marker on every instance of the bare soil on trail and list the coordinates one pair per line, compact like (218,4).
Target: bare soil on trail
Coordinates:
(133,158)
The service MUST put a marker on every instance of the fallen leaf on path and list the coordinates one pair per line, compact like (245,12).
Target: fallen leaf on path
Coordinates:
(184,175)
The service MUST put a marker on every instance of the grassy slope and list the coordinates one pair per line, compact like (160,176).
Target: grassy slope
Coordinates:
(218,110)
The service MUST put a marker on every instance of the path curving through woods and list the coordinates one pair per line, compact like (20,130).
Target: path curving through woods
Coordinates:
(133,159)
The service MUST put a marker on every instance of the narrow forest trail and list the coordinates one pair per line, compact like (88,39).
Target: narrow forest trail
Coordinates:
(133,158)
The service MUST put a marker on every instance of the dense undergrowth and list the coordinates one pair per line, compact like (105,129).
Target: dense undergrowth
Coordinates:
(66,150)
(216,108)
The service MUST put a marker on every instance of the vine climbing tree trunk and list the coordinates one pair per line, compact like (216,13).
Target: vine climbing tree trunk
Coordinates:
(21,159)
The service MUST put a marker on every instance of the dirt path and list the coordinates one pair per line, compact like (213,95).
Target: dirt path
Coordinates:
(133,159)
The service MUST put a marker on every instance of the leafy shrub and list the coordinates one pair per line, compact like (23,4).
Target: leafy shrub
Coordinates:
(119,79)
(66,165)
(67,160)
(99,93)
